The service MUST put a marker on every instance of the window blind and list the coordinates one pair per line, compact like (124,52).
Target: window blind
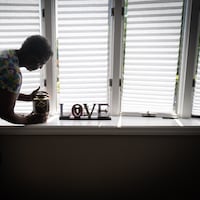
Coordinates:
(82,32)
(18,20)
(152,42)
(196,97)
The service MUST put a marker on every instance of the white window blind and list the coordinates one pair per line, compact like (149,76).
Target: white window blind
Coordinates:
(196,98)
(151,55)
(18,20)
(82,31)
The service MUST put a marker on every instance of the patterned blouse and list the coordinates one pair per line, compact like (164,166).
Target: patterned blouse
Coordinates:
(10,74)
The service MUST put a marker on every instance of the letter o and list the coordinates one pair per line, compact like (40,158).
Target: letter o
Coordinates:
(77,110)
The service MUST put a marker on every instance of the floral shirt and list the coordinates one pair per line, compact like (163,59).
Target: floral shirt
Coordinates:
(10,74)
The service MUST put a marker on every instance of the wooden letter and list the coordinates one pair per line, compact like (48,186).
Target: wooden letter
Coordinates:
(101,111)
(89,114)
(77,110)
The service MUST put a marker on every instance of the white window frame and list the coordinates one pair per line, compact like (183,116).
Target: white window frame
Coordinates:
(49,31)
(116,56)
(187,63)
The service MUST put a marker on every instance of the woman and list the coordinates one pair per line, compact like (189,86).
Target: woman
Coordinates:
(33,54)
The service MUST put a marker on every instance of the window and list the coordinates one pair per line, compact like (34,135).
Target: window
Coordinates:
(18,20)
(137,62)
(196,99)
(83,51)
(153,33)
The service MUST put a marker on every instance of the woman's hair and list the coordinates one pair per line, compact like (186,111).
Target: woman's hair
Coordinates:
(38,47)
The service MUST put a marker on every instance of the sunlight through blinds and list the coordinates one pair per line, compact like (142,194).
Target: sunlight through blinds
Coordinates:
(82,31)
(151,55)
(18,20)
(196,98)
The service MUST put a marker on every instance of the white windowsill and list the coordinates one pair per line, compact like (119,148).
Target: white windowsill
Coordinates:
(115,126)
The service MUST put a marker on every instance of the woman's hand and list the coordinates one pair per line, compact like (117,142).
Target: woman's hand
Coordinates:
(32,95)
(34,118)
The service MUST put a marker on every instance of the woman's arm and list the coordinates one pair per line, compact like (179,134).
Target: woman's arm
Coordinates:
(7,104)
(24,97)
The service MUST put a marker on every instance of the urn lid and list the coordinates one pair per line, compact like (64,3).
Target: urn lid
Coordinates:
(41,94)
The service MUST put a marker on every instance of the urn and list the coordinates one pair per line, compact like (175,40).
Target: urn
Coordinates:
(41,103)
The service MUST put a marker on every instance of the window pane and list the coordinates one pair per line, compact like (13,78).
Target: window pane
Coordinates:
(83,30)
(18,20)
(153,31)
(196,99)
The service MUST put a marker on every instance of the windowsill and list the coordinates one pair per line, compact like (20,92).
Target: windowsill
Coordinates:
(115,126)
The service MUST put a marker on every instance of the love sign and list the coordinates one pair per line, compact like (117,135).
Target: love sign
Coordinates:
(83,111)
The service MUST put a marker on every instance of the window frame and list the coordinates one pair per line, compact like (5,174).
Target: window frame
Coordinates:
(117,31)
(187,62)
(49,24)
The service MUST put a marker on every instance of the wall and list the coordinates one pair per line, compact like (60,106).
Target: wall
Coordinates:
(99,167)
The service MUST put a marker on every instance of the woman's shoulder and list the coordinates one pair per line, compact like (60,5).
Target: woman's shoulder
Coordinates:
(10,74)
(8,58)
(8,54)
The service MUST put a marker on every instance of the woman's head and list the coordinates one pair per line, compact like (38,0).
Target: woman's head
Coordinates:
(35,52)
